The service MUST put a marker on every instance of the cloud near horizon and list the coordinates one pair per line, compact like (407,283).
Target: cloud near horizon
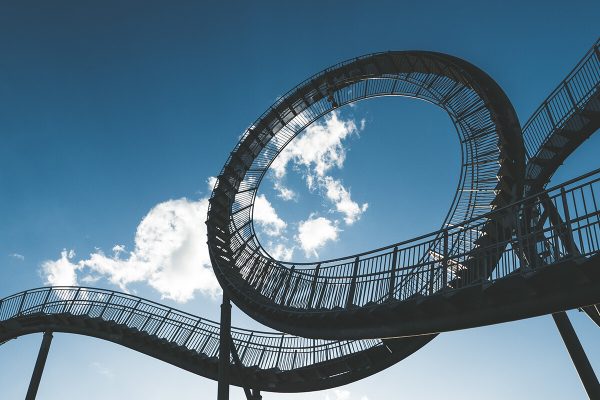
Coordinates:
(169,254)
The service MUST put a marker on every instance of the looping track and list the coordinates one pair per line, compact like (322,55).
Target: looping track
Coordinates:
(325,295)
(532,254)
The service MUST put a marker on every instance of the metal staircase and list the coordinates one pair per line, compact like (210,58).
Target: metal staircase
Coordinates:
(445,280)
(270,361)
(508,248)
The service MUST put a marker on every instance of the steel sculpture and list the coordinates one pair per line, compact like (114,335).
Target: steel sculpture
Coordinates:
(507,249)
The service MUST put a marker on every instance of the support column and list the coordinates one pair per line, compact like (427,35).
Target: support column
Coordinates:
(39,366)
(224,349)
(582,364)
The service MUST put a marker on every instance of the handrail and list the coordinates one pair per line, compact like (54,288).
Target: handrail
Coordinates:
(370,279)
(463,225)
(176,326)
(570,95)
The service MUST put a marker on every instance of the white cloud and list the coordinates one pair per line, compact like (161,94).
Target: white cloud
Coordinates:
(61,272)
(340,196)
(319,147)
(316,151)
(18,256)
(280,251)
(284,192)
(266,217)
(170,255)
(313,233)
(211,182)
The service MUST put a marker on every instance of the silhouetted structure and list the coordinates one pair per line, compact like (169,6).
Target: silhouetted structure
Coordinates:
(508,249)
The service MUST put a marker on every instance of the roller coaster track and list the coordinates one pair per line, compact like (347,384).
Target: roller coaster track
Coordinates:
(280,362)
(438,282)
(333,299)
(507,248)
(271,361)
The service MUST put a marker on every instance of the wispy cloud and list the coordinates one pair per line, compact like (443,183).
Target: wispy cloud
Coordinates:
(315,153)
(102,370)
(319,148)
(340,196)
(280,251)
(17,256)
(266,217)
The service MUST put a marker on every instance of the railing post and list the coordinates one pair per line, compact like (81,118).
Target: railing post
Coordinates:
(550,117)
(431,276)
(132,311)
(393,274)
(350,299)
(445,260)
(191,332)
(246,347)
(72,301)
(224,349)
(313,286)
(279,351)
(36,377)
(20,309)
(107,303)
(570,244)
(570,94)
(46,299)
(287,285)
(322,294)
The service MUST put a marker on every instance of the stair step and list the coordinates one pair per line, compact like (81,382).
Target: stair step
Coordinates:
(576,122)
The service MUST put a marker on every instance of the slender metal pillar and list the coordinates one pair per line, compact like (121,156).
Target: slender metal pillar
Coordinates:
(39,366)
(224,349)
(582,364)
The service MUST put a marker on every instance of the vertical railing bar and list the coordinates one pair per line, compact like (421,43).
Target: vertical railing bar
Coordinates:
(46,299)
(350,298)
(106,304)
(193,329)
(393,274)
(569,232)
(72,301)
(132,311)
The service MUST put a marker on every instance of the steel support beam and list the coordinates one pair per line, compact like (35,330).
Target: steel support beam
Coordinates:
(224,349)
(39,366)
(582,364)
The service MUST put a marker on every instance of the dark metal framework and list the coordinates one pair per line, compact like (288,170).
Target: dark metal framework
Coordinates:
(563,121)
(531,255)
(271,361)
(492,175)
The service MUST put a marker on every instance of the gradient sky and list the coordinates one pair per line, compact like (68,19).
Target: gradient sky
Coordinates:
(112,108)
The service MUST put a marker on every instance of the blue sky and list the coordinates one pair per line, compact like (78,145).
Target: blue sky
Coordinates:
(115,113)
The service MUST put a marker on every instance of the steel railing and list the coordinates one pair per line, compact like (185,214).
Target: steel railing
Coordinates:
(264,350)
(412,268)
(571,95)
